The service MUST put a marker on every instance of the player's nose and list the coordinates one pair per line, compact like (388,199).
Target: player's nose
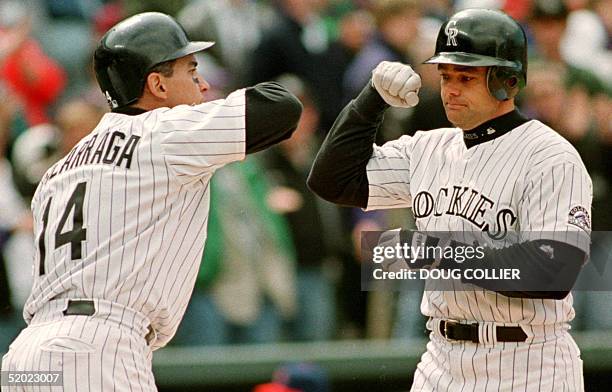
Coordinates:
(203,84)
(452,89)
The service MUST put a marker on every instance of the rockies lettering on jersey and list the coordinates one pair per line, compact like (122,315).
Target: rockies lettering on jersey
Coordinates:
(471,207)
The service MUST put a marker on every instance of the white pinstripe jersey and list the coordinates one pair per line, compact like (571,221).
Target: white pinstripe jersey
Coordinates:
(526,183)
(123,216)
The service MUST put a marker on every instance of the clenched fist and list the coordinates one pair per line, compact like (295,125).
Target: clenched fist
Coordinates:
(397,84)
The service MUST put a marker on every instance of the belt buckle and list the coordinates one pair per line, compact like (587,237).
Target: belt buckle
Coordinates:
(445,334)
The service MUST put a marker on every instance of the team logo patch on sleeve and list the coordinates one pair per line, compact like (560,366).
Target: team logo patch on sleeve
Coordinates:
(579,216)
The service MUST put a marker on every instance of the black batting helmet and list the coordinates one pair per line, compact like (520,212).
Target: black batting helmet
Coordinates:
(129,50)
(481,37)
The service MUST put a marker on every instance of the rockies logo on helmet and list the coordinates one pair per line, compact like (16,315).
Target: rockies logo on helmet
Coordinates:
(451,33)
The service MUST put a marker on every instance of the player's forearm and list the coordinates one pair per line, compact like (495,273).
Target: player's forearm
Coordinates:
(550,266)
(272,114)
(339,171)
(546,268)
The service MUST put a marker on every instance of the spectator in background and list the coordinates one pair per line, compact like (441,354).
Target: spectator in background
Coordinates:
(518,9)
(548,23)
(294,43)
(35,78)
(354,30)
(314,224)
(397,28)
(35,150)
(235,26)
(105,17)
(75,119)
(587,42)
(65,33)
(40,146)
(297,43)
(14,219)
(71,9)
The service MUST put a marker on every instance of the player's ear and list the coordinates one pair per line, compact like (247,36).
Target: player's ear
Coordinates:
(155,83)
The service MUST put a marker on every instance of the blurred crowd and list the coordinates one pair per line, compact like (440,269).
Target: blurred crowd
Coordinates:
(281,264)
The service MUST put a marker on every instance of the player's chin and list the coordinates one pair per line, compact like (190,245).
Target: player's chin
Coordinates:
(453,113)
(198,98)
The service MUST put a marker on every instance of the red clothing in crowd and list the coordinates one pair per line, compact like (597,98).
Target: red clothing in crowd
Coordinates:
(36,78)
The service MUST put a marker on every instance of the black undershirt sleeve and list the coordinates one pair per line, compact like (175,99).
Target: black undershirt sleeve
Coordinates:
(339,171)
(272,114)
(548,269)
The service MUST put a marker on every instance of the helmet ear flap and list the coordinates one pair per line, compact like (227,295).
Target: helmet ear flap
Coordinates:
(512,81)
(503,83)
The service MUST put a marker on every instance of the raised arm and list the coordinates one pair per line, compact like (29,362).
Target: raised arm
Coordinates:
(340,171)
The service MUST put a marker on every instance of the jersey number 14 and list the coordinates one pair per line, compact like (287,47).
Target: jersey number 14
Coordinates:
(74,236)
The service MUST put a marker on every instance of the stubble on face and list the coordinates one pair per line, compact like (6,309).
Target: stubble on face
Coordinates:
(466,98)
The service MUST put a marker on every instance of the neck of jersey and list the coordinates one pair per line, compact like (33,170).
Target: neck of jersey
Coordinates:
(493,128)
(129,110)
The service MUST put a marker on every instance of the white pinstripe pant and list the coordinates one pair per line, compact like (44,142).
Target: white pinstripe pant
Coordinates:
(93,354)
(547,365)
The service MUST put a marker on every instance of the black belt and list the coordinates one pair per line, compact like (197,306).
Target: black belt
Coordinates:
(453,330)
(85,307)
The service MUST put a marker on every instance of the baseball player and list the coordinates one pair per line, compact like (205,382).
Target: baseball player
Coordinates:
(119,221)
(497,173)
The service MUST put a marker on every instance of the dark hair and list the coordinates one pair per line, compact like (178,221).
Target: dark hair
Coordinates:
(166,68)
